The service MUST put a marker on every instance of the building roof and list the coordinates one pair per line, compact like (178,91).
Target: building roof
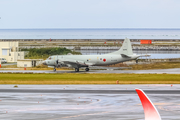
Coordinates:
(30,59)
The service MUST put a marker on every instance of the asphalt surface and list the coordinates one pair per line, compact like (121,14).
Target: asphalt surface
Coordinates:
(156,71)
(90,102)
(88,91)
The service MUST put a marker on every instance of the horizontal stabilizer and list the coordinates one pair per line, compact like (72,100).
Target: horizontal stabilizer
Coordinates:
(125,56)
(150,110)
(144,55)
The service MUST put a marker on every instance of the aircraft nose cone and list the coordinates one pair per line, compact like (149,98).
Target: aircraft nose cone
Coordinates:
(44,63)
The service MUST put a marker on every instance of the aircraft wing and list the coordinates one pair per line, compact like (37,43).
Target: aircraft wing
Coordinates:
(75,64)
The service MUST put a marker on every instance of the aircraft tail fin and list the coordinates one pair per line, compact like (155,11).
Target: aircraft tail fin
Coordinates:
(126,48)
(150,110)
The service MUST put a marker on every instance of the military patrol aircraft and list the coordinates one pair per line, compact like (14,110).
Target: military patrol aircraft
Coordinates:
(78,61)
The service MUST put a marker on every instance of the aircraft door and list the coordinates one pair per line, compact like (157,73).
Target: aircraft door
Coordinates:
(98,60)
(34,63)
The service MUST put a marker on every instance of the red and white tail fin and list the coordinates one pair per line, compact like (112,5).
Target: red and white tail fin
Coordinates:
(150,110)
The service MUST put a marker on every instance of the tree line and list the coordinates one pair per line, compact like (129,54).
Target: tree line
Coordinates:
(42,53)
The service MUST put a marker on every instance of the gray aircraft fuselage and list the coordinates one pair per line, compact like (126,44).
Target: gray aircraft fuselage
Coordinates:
(89,60)
(125,53)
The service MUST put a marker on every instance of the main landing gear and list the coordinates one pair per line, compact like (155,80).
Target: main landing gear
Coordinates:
(76,69)
(87,69)
(136,61)
(54,69)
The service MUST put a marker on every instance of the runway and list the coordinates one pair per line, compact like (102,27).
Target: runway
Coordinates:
(156,71)
(90,102)
(88,91)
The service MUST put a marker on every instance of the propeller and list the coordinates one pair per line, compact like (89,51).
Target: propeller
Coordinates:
(56,63)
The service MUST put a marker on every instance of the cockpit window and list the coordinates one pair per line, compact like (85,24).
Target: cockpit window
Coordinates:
(49,58)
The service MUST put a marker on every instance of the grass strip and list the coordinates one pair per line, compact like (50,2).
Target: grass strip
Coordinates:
(76,78)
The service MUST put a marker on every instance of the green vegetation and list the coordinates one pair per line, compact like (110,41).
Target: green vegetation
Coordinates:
(43,53)
(66,78)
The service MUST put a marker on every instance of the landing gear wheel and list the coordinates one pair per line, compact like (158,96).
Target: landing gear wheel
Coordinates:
(87,69)
(137,61)
(77,69)
(54,70)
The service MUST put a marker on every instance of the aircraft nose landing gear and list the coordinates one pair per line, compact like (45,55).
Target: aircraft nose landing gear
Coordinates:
(76,69)
(87,69)
(54,69)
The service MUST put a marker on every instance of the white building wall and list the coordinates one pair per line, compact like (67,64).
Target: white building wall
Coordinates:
(24,63)
(15,56)
(39,62)
(9,51)
(28,62)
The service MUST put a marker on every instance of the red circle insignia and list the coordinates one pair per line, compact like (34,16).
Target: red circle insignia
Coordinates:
(104,60)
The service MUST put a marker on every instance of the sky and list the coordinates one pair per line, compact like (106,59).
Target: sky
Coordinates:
(15,14)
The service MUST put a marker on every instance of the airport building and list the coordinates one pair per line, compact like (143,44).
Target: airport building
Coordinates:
(29,62)
(10,51)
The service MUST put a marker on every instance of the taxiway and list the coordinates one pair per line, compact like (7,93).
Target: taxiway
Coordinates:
(155,71)
(72,102)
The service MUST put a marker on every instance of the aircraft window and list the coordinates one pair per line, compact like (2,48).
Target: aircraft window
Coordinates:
(49,58)
(100,58)
(87,60)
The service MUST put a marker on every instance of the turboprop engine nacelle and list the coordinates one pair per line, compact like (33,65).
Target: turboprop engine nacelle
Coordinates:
(81,62)
(61,64)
